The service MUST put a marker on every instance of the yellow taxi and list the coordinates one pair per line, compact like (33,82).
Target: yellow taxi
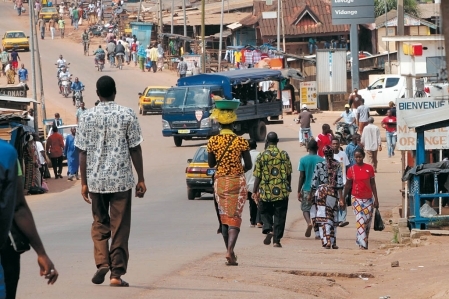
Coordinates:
(48,12)
(151,99)
(199,174)
(15,39)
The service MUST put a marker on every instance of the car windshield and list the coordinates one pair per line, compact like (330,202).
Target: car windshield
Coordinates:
(156,92)
(15,35)
(200,155)
(48,9)
(187,98)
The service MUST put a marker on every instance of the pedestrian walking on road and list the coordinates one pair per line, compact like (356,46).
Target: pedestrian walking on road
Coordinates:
(41,25)
(15,58)
(160,57)
(362,115)
(361,184)
(23,74)
(390,125)
(354,99)
(182,67)
(153,58)
(306,169)
(14,210)
(55,147)
(141,56)
(327,187)
(134,47)
(11,74)
(19,7)
(351,147)
(72,154)
(109,138)
(75,17)
(226,151)
(324,138)
(52,27)
(4,58)
(61,26)
(81,110)
(342,158)
(254,213)
(273,173)
(371,142)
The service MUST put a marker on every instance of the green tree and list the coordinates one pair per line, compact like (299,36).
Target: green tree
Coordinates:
(410,7)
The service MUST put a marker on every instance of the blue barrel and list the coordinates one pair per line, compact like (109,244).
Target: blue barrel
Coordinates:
(142,31)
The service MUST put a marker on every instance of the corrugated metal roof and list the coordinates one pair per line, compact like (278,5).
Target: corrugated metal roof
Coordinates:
(210,19)
(427,11)
(294,25)
(393,14)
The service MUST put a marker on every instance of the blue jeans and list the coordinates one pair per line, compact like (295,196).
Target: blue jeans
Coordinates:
(391,143)
(301,134)
(312,47)
(75,23)
(2,283)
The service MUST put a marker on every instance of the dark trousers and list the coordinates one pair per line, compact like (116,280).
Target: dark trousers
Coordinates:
(273,216)
(11,268)
(112,220)
(254,214)
(154,66)
(56,163)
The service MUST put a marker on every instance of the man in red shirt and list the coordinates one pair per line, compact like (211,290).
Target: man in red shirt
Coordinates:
(55,147)
(390,125)
(323,139)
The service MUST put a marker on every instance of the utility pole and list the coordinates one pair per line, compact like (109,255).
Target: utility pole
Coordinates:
(220,43)
(283,28)
(354,38)
(172,13)
(386,34)
(140,9)
(445,28)
(161,22)
(279,27)
(41,81)
(203,33)
(185,17)
(33,67)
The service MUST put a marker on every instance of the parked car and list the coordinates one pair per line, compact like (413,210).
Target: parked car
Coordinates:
(199,174)
(151,99)
(15,39)
(391,87)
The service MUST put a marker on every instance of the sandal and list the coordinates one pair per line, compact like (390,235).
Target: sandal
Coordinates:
(309,231)
(121,284)
(277,245)
(267,240)
(99,275)
(232,261)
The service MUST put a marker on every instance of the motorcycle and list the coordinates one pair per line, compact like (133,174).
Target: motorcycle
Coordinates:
(60,68)
(100,65)
(78,98)
(343,133)
(65,86)
(97,30)
(120,60)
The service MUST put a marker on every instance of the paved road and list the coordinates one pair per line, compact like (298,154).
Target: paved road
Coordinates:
(168,231)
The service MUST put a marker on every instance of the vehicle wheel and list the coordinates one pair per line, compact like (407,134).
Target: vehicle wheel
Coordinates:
(178,141)
(191,194)
(261,131)
(198,193)
(381,111)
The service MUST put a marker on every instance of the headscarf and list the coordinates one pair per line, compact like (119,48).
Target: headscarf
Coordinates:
(332,165)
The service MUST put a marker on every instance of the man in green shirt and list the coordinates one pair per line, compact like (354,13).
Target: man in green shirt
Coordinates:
(273,173)
(61,25)
(75,14)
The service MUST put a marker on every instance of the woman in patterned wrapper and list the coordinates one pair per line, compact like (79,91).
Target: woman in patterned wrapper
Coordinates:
(225,154)
(327,187)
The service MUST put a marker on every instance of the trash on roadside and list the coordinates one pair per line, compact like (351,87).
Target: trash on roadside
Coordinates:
(427,211)
(385,297)
(362,278)
(395,264)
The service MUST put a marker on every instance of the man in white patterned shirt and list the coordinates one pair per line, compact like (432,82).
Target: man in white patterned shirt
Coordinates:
(109,138)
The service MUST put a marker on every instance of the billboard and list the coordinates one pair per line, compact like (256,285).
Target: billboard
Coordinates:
(419,107)
(308,94)
(352,12)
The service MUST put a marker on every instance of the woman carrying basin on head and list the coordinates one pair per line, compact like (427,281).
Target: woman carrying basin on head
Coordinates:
(225,154)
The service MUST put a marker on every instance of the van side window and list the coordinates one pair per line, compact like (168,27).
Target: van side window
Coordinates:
(391,82)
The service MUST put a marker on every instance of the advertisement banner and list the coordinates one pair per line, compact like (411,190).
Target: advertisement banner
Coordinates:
(418,107)
(308,94)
